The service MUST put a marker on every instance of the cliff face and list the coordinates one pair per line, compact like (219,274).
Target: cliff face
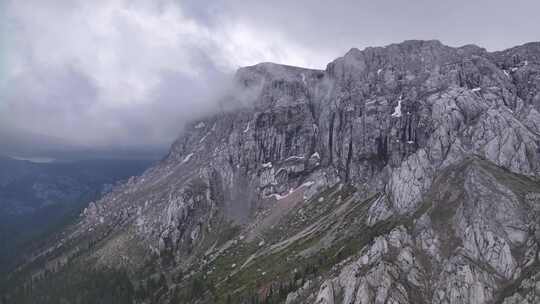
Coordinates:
(403,174)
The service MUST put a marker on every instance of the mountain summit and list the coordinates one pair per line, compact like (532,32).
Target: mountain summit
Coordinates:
(399,174)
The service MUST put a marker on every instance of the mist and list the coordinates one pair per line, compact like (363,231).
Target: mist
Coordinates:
(126,76)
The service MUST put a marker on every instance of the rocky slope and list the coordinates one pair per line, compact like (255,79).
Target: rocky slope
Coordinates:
(399,174)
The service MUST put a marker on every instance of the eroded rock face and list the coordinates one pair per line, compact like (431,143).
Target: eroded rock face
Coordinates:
(431,128)
(475,238)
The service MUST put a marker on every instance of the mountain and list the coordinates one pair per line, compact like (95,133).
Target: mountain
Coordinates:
(36,198)
(399,174)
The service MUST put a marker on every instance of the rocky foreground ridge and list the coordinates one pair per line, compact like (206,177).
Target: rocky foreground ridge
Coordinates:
(399,174)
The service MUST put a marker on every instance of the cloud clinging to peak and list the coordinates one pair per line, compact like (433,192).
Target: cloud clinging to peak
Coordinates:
(119,73)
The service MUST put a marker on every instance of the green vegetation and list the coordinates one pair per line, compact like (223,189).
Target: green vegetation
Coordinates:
(313,237)
(76,285)
(253,274)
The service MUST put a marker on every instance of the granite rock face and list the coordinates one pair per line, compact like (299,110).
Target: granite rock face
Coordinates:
(447,137)
(472,239)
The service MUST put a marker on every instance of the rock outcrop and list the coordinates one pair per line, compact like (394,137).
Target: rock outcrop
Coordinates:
(412,170)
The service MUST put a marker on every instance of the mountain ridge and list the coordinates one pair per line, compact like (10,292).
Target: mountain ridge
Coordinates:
(332,172)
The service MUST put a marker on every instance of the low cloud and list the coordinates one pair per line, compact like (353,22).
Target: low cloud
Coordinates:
(110,74)
(105,74)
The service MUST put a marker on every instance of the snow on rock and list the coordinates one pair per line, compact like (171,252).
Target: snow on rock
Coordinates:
(397,110)
(247,128)
(267,165)
(307,184)
(276,196)
(204,137)
(294,157)
(200,125)
(280,196)
(187,158)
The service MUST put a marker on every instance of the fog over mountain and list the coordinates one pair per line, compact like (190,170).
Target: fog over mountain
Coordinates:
(405,174)
(108,75)
(264,152)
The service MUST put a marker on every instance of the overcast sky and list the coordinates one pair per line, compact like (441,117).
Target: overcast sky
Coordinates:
(119,73)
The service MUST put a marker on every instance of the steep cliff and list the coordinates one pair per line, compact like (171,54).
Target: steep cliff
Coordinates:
(399,174)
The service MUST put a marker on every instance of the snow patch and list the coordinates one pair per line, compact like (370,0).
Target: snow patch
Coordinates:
(316,154)
(247,127)
(304,79)
(291,190)
(476,89)
(267,165)
(307,184)
(294,157)
(279,196)
(200,125)
(379,71)
(397,110)
(204,137)
(187,158)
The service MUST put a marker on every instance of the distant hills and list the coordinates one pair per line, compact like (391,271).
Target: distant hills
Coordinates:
(38,197)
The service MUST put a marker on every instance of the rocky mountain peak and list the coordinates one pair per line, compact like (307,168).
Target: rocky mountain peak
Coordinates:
(399,174)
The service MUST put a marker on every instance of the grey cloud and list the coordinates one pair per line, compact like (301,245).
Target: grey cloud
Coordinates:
(55,95)
(333,27)
(128,74)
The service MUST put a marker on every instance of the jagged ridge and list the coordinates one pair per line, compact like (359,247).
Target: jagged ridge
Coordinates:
(386,123)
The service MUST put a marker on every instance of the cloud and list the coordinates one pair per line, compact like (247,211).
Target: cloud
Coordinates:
(334,27)
(118,73)
(124,73)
